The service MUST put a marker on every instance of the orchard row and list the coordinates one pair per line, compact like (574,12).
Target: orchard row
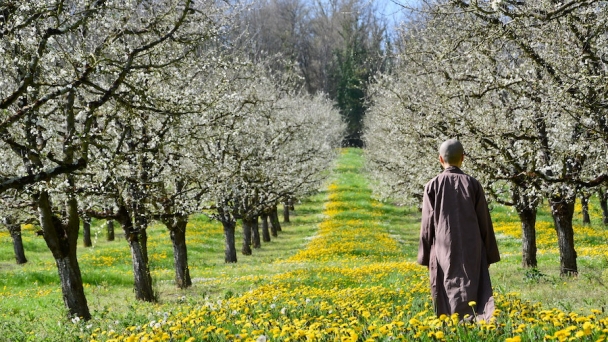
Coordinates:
(523,85)
(137,111)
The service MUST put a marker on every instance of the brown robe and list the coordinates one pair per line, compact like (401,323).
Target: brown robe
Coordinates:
(457,244)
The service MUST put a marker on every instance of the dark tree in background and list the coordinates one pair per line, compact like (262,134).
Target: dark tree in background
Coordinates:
(355,63)
(336,45)
(86,230)
(14,229)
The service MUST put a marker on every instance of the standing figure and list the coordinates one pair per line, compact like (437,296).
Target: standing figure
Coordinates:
(457,241)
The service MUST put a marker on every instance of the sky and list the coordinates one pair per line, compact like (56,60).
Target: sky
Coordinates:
(391,9)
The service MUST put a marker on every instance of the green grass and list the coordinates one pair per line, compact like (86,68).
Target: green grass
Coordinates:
(30,294)
(545,285)
(360,273)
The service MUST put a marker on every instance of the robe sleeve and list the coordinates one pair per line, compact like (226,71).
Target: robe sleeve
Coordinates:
(427,228)
(486,228)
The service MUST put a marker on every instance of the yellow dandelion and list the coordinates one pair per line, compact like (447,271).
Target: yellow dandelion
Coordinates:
(513,339)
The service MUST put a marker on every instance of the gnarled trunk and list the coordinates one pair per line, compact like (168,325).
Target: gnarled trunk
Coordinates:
(229,238)
(141,271)
(527,217)
(15,230)
(61,240)
(603,195)
(291,202)
(86,232)
(562,210)
(265,230)
(275,225)
(61,234)
(72,288)
(138,243)
(255,233)
(177,228)
(585,207)
(110,230)
(247,223)
(286,211)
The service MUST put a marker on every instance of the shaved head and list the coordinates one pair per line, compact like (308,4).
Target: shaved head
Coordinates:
(451,151)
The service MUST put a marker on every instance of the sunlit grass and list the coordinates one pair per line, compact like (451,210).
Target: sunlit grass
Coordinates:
(343,270)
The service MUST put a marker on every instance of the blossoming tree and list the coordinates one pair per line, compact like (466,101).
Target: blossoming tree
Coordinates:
(65,64)
(489,84)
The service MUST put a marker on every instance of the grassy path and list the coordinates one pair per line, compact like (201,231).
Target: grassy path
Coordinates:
(343,270)
(353,281)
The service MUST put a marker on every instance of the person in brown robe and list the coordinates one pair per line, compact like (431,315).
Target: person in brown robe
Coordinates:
(457,241)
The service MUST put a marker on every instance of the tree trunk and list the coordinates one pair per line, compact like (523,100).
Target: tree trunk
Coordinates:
(230,243)
(604,204)
(285,211)
(247,223)
(255,233)
(110,230)
(527,217)
(61,234)
(86,230)
(291,202)
(15,230)
(177,227)
(72,288)
(273,225)
(563,211)
(141,271)
(274,221)
(265,230)
(585,206)
(138,242)
(61,240)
